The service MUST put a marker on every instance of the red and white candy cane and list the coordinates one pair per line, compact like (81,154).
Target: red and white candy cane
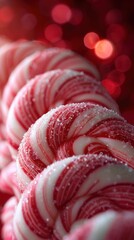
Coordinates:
(73,129)
(107,226)
(70,190)
(4,40)
(8,180)
(7,218)
(39,63)
(47,91)
(75,161)
(11,54)
(5,156)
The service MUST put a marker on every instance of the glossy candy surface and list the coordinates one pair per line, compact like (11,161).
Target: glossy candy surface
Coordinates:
(47,91)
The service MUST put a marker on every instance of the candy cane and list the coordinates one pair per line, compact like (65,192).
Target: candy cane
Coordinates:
(70,190)
(47,91)
(73,129)
(106,226)
(39,63)
(11,54)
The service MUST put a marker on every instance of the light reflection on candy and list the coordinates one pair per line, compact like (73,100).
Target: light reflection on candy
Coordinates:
(104,49)
(53,33)
(61,13)
(91,39)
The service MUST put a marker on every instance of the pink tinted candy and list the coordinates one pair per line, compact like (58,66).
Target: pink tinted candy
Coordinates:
(107,226)
(11,54)
(47,91)
(7,218)
(5,156)
(8,180)
(70,190)
(73,129)
(38,63)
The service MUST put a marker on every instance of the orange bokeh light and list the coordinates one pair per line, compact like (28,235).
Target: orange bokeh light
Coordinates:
(91,39)
(104,49)
(61,13)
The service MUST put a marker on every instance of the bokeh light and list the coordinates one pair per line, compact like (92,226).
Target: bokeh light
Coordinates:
(104,49)
(28,21)
(113,16)
(118,78)
(68,24)
(91,39)
(61,13)
(76,17)
(111,87)
(123,63)
(6,14)
(53,33)
(116,32)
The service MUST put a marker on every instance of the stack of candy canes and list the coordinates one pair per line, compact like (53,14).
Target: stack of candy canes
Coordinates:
(66,154)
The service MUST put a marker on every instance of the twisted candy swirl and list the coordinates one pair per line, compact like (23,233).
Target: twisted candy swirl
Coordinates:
(7,218)
(76,161)
(12,53)
(38,63)
(73,129)
(70,190)
(47,91)
(106,226)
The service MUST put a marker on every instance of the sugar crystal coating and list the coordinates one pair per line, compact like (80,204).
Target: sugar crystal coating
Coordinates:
(76,161)
(70,190)
(106,226)
(47,91)
(12,53)
(49,59)
(73,129)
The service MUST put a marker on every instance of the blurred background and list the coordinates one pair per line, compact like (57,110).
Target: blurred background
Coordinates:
(100,30)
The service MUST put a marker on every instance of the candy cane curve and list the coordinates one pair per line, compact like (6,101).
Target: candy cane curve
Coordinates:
(73,129)
(47,91)
(38,63)
(71,190)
